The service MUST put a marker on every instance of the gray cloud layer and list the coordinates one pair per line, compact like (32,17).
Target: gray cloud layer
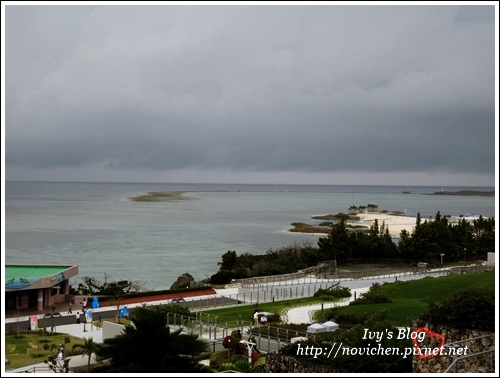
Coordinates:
(308,89)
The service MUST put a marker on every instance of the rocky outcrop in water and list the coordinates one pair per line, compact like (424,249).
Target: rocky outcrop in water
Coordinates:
(182,281)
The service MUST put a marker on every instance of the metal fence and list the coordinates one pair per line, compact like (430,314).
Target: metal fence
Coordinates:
(325,275)
(207,327)
(484,360)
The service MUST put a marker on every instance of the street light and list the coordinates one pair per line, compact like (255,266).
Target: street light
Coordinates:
(442,254)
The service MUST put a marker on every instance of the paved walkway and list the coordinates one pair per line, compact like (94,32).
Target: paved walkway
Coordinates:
(304,314)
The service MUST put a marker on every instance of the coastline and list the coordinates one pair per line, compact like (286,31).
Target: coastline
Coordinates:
(396,223)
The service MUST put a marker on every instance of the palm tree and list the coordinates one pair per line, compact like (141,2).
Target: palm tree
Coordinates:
(149,346)
(53,308)
(87,348)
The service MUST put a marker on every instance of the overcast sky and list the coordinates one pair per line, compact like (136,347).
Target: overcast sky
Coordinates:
(324,94)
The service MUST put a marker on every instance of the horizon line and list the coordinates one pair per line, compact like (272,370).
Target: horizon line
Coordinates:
(232,183)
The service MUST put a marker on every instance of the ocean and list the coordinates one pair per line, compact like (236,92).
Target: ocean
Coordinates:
(97,227)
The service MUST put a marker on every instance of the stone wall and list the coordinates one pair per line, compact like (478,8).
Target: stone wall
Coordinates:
(227,286)
(439,363)
(278,363)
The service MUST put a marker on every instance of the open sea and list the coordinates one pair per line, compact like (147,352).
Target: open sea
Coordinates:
(97,227)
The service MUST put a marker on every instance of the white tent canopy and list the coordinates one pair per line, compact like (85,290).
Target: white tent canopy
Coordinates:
(316,328)
(330,326)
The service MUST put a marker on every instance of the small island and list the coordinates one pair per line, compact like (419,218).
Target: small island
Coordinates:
(467,193)
(357,221)
(160,197)
(326,226)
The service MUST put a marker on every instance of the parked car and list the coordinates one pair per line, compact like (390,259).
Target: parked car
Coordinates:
(177,300)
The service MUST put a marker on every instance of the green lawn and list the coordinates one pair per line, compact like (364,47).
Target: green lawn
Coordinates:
(27,349)
(232,314)
(409,298)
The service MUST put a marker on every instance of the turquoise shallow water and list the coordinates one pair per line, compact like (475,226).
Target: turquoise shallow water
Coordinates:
(96,226)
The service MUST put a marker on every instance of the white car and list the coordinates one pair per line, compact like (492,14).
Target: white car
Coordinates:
(178,300)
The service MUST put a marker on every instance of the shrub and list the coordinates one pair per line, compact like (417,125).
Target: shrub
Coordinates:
(354,338)
(470,308)
(275,318)
(338,292)
(223,357)
(346,320)
(177,309)
(371,298)
(242,367)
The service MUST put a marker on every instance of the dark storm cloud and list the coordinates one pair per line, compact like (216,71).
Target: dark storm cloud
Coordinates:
(249,88)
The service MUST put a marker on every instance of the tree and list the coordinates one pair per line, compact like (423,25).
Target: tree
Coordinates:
(93,286)
(87,348)
(53,308)
(405,245)
(484,235)
(337,246)
(18,317)
(467,308)
(56,361)
(431,238)
(117,302)
(228,261)
(149,346)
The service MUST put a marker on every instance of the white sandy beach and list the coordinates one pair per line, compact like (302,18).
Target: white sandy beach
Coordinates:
(396,223)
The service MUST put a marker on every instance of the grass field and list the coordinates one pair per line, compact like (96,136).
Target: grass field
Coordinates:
(409,298)
(232,314)
(27,349)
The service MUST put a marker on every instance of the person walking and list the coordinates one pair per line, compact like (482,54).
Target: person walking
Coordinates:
(70,306)
(77,318)
(256,317)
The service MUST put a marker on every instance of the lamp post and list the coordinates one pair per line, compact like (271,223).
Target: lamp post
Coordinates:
(442,254)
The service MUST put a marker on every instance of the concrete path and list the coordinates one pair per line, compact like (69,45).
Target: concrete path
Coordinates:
(304,314)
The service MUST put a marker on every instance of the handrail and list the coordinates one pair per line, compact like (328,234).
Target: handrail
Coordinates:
(458,342)
(457,359)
